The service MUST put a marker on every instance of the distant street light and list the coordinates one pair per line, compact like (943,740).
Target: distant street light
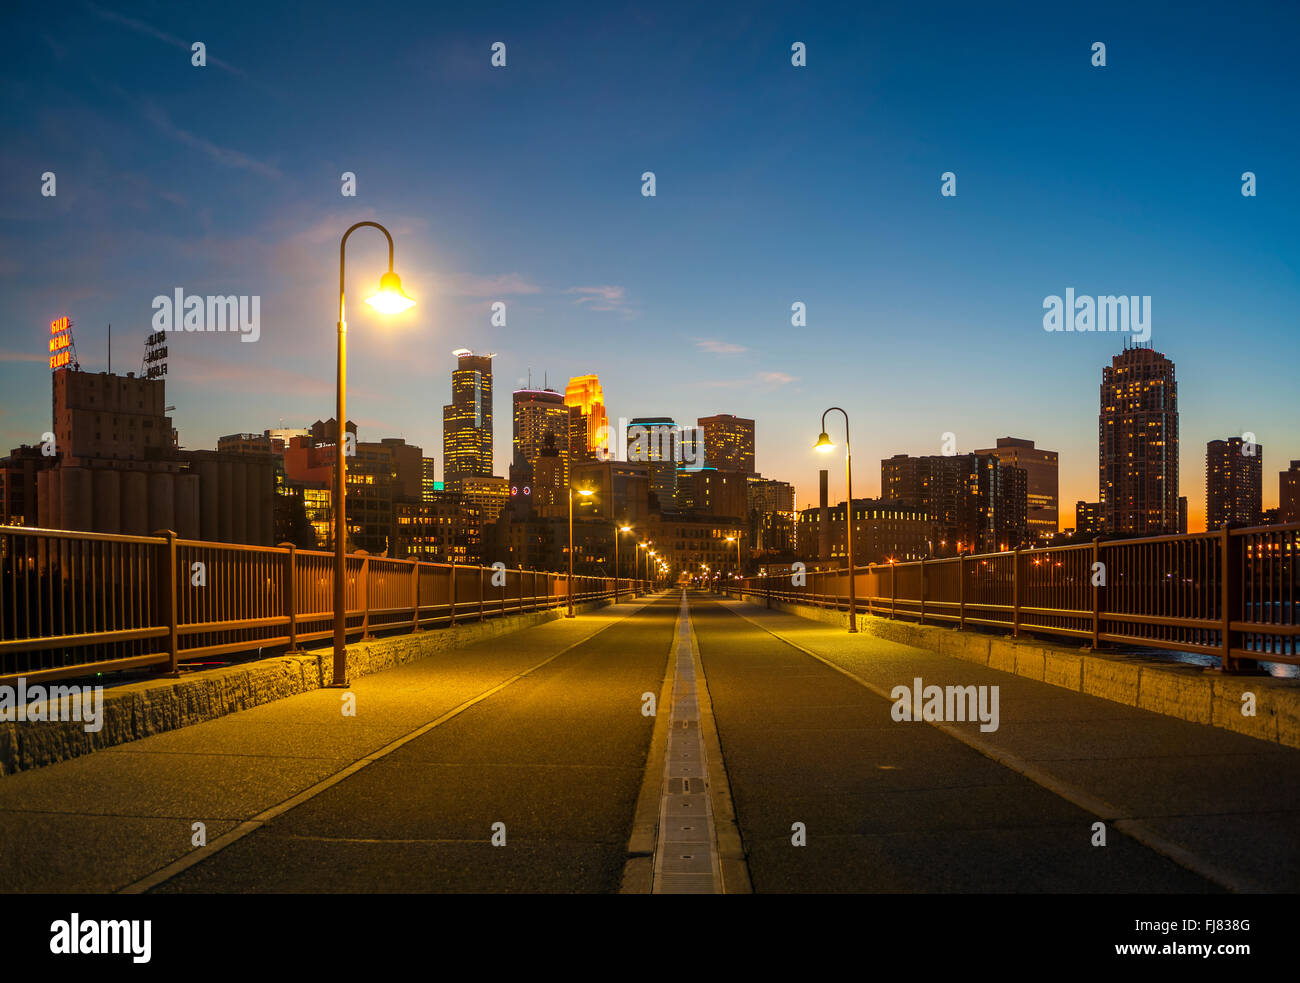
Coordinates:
(390,299)
(736,538)
(584,492)
(825,444)
(618,533)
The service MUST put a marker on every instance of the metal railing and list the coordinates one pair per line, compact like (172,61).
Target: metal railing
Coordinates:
(78,603)
(1230,594)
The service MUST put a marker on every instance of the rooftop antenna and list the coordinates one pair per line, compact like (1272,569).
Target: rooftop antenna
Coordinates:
(110,349)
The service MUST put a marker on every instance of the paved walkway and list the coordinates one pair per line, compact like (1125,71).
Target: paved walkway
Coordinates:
(1224,805)
(112,819)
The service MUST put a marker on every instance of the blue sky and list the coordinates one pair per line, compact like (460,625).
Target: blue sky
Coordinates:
(775,184)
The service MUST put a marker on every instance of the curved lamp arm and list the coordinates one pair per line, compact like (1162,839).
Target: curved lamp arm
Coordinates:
(344,241)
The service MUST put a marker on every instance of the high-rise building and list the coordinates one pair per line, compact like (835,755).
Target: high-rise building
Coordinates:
(589,432)
(1089,520)
(1040,468)
(467,420)
(728,442)
(975,499)
(621,490)
(1234,483)
(771,514)
(1288,494)
(709,491)
(428,479)
(18,484)
(541,419)
(657,441)
(1138,444)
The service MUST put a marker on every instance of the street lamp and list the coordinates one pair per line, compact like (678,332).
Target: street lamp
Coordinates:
(618,532)
(585,493)
(636,565)
(736,538)
(825,444)
(390,299)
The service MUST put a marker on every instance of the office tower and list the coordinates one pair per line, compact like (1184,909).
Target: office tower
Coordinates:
(728,442)
(428,479)
(541,419)
(1088,519)
(657,441)
(589,430)
(1288,494)
(975,499)
(1040,467)
(467,420)
(1138,443)
(771,514)
(490,495)
(1234,483)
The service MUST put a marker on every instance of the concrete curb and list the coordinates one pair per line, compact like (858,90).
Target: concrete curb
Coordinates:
(1186,692)
(153,706)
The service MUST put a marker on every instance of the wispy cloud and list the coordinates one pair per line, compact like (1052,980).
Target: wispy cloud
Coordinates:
(762,380)
(222,155)
(474,285)
(719,347)
(140,27)
(605,298)
(21,357)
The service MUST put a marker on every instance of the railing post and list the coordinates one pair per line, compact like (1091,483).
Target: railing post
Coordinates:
(451,593)
(482,596)
(893,590)
(167,601)
(415,596)
(961,592)
(363,589)
(291,594)
(922,590)
(1015,593)
(1096,593)
(1233,555)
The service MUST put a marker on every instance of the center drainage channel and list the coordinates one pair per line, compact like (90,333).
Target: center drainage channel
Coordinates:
(686,852)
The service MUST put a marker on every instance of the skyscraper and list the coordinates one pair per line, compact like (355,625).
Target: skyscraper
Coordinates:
(1234,483)
(539,413)
(728,442)
(589,435)
(1137,434)
(657,441)
(1288,494)
(467,420)
(975,499)
(1041,469)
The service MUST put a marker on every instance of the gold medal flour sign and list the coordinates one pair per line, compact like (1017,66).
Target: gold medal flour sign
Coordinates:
(60,342)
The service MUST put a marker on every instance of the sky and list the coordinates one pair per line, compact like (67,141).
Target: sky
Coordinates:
(775,185)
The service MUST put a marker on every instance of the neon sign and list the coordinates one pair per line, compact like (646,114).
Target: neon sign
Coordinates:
(60,342)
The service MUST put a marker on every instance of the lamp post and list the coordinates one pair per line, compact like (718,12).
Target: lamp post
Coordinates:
(737,540)
(389,300)
(824,444)
(618,534)
(584,492)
